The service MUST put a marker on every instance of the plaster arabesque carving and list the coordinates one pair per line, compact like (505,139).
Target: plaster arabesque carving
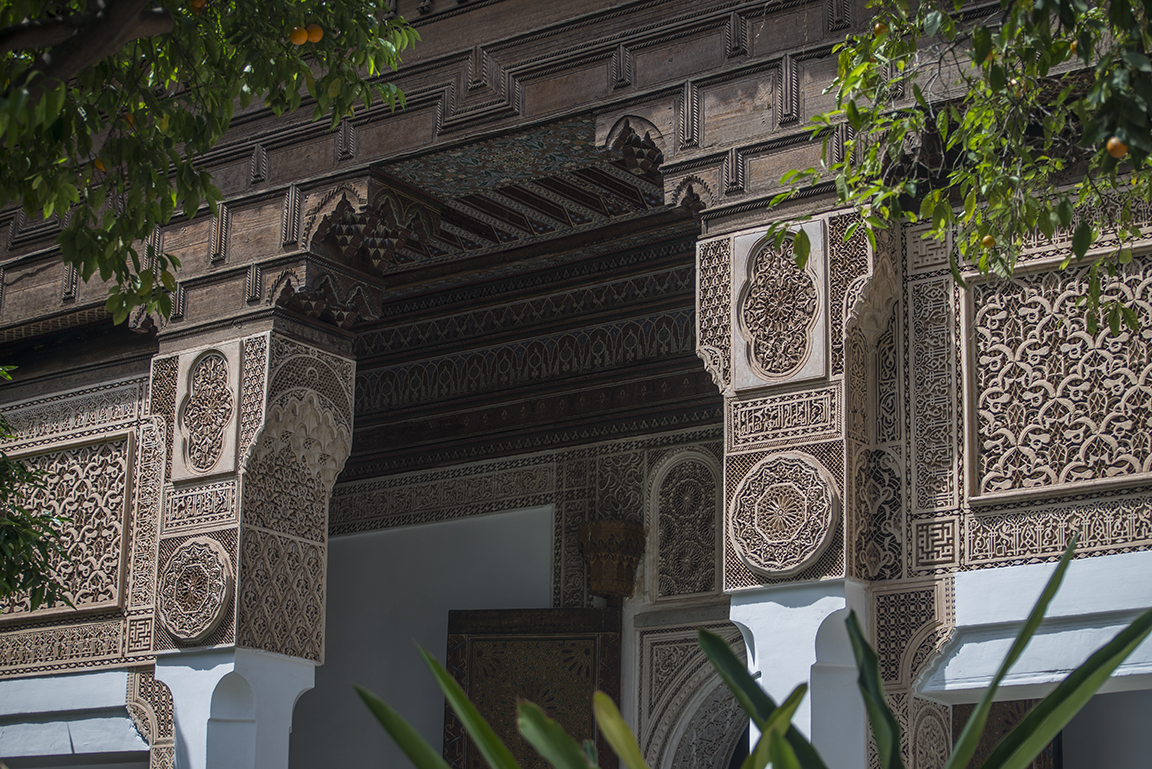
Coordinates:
(195,588)
(778,311)
(783,514)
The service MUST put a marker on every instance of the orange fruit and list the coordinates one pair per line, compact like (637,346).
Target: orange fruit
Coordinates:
(988,241)
(197,4)
(1116,148)
(98,164)
(1072,48)
(315,33)
(879,29)
(298,36)
(130,119)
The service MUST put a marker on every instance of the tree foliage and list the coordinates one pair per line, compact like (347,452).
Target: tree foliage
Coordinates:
(996,124)
(108,106)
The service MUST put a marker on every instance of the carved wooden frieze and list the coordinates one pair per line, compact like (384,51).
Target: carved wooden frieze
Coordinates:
(779,311)
(207,411)
(782,515)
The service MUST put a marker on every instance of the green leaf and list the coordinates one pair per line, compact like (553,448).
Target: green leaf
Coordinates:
(1021,746)
(1082,239)
(753,701)
(592,754)
(801,248)
(549,738)
(616,732)
(495,752)
(885,730)
(419,752)
(932,23)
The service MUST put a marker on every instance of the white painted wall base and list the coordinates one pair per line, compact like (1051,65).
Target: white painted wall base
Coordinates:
(233,707)
(795,634)
(68,718)
(1098,598)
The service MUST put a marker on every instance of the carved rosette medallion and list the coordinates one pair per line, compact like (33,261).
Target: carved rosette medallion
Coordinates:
(195,587)
(777,312)
(783,514)
(207,411)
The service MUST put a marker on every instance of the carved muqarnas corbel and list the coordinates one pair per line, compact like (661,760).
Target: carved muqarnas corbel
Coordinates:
(369,238)
(641,155)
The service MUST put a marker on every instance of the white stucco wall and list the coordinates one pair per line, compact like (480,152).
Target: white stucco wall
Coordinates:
(390,588)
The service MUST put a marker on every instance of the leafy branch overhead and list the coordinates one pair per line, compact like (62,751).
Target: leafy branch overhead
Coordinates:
(997,124)
(780,745)
(108,106)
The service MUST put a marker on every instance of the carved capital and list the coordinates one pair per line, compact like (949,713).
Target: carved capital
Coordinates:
(612,550)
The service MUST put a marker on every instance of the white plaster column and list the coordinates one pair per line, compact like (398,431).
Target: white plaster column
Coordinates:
(794,635)
(233,707)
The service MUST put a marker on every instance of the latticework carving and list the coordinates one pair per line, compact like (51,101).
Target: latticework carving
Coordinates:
(848,263)
(737,574)
(207,411)
(149,704)
(1056,404)
(783,513)
(293,466)
(252,379)
(934,386)
(777,312)
(674,673)
(710,738)
(889,414)
(75,414)
(931,734)
(879,522)
(84,486)
(281,595)
(165,372)
(210,504)
(151,450)
(527,362)
(194,589)
(913,621)
(62,647)
(686,525)
(714,330)
(1006,535)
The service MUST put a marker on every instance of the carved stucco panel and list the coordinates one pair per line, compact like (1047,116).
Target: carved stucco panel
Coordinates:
(207,411)
(783,514)
(194,589)
(1055,404)
(682,523)
(779,311)
(87,487)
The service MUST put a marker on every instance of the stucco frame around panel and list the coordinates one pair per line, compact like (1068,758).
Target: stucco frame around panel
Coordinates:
(184,467)
(811,362)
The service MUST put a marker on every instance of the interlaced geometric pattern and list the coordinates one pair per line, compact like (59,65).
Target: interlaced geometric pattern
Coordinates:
(1056,404)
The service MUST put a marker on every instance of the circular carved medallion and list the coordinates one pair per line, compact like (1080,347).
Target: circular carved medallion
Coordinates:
(195,587)
(783,514)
